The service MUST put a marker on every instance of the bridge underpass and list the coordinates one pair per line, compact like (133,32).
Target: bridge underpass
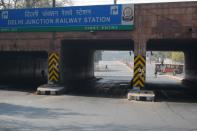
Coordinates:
(182,90)
(187,46)
(77,61)
(166,21)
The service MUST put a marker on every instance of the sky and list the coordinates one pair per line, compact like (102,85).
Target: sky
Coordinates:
(98,2)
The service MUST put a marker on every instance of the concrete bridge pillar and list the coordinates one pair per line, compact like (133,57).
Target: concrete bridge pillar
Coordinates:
(53,60)
(53,67)
(190,67)
(76,64)
(139,63)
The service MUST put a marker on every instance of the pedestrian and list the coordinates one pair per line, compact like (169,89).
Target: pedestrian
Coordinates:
(156,72)
(106,67)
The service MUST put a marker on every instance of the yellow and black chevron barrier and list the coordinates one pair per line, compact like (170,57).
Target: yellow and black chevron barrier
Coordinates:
(53,67)
(139,71)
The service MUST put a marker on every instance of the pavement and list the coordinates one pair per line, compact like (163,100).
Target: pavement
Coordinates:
(22,111)
(26,111)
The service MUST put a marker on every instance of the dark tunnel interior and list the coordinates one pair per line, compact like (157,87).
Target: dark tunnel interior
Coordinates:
(19,67)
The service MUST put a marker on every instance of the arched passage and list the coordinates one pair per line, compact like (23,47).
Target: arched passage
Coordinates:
(77,57)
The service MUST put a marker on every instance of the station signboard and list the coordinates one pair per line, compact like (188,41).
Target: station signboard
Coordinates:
(76,18)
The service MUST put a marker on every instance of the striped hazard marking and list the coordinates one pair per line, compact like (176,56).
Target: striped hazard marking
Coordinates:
(139,71)
(53,67)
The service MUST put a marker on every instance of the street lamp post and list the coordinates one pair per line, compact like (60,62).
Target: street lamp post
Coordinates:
(53,33)
(54,3)
(115,2)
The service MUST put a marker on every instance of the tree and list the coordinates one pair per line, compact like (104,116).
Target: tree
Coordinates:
(14,4)
(37,3)
(4,4)
(60,3)
(178,57)
(175,56)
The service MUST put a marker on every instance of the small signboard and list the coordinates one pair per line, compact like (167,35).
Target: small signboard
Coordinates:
(77,18)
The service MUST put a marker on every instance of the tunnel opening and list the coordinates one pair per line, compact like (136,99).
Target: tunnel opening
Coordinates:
(23,69)
(168,55)
(114,71)
(167,89)
(187,46)
(165,67)
(77,62)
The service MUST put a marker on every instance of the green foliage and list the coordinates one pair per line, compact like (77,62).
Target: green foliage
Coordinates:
(178,56)
(175,56)
(161,55)
(15,4)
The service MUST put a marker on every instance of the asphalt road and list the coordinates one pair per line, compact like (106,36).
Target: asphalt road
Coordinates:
(20,111)
(24,111)
(117,70)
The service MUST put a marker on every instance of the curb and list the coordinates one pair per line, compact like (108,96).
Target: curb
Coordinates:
(50,89)
(174,77)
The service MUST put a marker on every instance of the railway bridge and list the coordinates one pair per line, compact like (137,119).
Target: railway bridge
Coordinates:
(158,27)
